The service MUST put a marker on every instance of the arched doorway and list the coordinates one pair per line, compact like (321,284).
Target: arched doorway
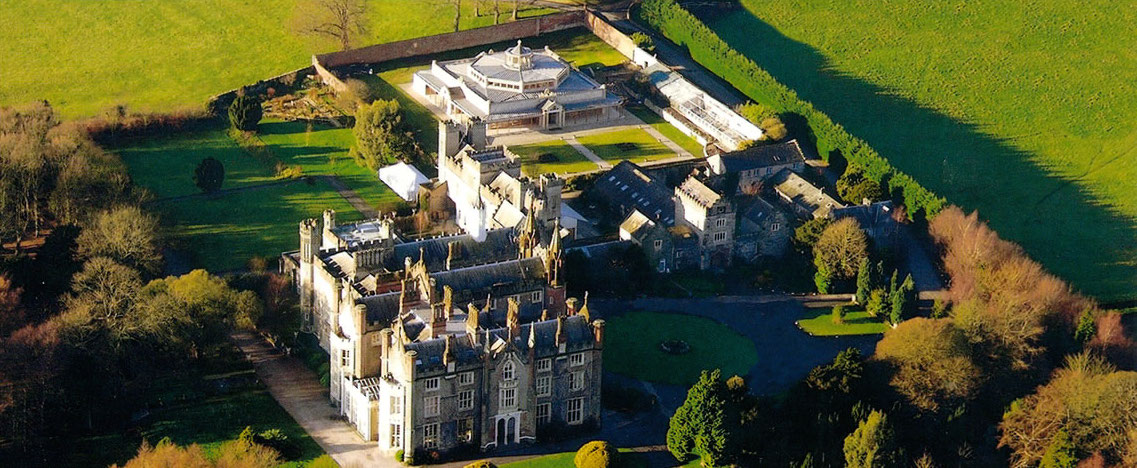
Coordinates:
(500,432)
(511,430)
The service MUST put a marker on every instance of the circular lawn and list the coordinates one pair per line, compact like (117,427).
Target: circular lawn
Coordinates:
(632,347)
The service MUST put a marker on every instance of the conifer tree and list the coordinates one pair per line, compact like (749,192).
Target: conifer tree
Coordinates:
(705,426)
(864,281)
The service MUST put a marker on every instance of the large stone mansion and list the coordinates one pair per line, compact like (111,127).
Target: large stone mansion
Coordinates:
(448,343)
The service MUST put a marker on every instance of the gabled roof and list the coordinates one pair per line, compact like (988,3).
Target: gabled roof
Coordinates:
(635,222)
(501,278)
(627,187)
(759,156)
(500,244)
(575,331)
(868,216)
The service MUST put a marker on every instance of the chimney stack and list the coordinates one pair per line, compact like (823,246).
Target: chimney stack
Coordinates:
(513,318)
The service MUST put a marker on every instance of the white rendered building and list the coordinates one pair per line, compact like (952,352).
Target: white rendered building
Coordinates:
(517,87)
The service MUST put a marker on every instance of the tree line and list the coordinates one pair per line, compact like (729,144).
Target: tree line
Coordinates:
(1016,369)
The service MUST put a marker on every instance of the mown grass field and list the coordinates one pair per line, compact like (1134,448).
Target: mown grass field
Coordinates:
(1026,111)
(819,322)
(568,159)
(610,146)
(632,347)
(165,165)
(323,150)
(222,233)
(670,131)
(87,57)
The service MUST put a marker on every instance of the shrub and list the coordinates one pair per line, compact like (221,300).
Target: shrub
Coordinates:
(245,113)
(547,158)
(596,454)
(481,464)
(774,129)
(279,441)
(643,41)
(838,314)
(399,455)
(209,175)
(875,305)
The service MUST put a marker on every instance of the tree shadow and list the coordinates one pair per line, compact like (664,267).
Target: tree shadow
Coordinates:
(1056,220)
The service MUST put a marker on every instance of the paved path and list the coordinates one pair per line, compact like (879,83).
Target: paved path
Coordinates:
(348,194)
(299,392)
(587,153)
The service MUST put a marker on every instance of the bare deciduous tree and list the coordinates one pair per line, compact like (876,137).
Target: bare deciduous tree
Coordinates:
(339,20)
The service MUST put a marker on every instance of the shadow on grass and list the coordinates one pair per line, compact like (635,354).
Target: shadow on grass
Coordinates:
(1057,221)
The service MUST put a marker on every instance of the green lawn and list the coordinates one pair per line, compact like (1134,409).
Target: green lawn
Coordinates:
(222,233)
(1026,111)
(568,159)
(644,147)
(86,57)
(165,165)
(819,322)
(632,347)
(670,131)
(322,150)
(188,409)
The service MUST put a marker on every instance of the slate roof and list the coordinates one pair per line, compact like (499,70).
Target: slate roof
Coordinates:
(755,216)
(698,191)
(759,156)
(869,216)
(497,278)
(382,309)
(627,187)
(500,244)
(575,330)
(803,195)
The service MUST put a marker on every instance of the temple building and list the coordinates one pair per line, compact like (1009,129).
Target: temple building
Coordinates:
(448,343)
(516,87)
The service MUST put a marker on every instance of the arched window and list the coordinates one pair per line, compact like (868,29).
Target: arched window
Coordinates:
(507,371)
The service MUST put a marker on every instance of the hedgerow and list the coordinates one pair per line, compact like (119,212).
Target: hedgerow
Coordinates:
(707,48)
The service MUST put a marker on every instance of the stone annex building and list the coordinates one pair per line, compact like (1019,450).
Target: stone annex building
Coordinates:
(517,87)
(448,343)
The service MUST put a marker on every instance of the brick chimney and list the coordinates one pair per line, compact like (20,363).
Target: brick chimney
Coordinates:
(598,331)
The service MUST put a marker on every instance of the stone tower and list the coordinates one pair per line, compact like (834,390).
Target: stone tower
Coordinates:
(309,247)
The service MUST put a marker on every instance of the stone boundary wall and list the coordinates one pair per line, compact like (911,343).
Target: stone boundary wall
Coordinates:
(328,77)
(219,103)
(519,29)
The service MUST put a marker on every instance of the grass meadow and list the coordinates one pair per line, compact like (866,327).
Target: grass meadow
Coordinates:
(1026,111)
(666,129)
(165,165)
(641,146)
(222,233)
(819,322)
(632,348)
(87,57)
(568,159)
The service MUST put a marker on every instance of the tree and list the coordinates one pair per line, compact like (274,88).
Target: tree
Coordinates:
(838,314)
(875,305)
(872,444)
(126,235)
(105,290)
(773,129)
(245,113)
(902,300)
(841,248)
(809,232)
(380,136)
(704,426)
(864,190)
(596,454)
(756,113)
(643,41)
(209,175)
(1061,453)
(338,20)
(864,281)
(931,362)
(11,314)
(840,376)
(1086,328)
(1088,402)
(822,278)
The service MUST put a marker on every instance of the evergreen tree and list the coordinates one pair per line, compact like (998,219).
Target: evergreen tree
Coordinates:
(380,136)
(245,113)
(705,426)
(872,444)
(1061,453)
(1086,328)
(209,175)
(864,281)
